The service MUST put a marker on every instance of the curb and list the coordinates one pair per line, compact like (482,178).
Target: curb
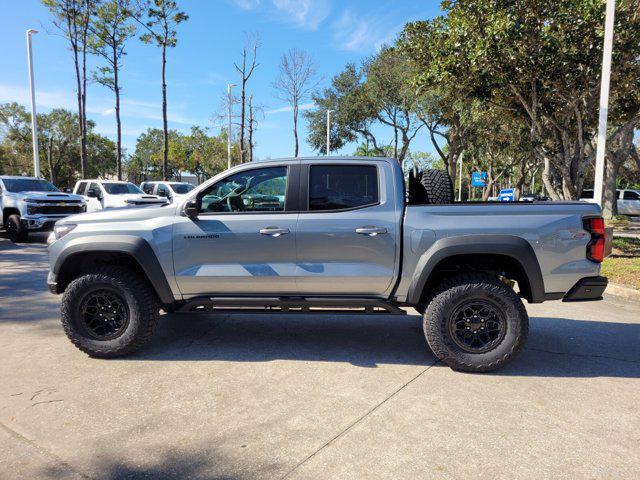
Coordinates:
(622,291)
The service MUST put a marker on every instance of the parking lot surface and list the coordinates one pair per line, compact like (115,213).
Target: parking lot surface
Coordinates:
(312,396)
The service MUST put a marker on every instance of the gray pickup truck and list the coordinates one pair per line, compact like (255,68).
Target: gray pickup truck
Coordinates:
(326,234)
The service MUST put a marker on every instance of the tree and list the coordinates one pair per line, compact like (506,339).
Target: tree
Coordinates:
(377,94)
(111,28)
(72,18)
(245,69)
(163,16)
(59,145)
(538,62)
(294,84)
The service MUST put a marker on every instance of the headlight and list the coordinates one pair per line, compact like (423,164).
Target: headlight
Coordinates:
(61,230)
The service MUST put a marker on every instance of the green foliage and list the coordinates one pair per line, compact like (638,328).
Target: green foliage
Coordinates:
(59,145)
(536,64)
(163,17)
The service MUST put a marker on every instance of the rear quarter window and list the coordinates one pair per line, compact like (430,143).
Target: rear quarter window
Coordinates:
(342,187)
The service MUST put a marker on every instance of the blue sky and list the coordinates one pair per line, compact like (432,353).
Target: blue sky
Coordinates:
(333,32)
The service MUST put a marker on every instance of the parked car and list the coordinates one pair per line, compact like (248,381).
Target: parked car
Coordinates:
(173,191)
(103,194)
(29,204)
(344,237)
(532,197)
(628,201)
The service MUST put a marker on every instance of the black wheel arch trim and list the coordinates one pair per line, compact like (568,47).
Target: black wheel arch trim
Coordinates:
(508,245)
(136,247)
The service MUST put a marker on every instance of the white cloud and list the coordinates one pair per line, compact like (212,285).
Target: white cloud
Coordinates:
(360,33)
(289,108)
(98,105)
(247,4)
(307,14)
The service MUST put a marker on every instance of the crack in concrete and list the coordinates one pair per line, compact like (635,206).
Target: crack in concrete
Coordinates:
(583,355)
(357,421)
(50,455)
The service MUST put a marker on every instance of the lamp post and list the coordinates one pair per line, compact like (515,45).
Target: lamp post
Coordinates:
(34,121)
(229,85)
(328,131)
(598,190)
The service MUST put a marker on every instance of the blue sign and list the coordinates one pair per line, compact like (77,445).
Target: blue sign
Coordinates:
(478,179)
(506,195)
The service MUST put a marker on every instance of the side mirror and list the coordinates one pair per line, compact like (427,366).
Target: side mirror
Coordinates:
(91,193)
(191,210)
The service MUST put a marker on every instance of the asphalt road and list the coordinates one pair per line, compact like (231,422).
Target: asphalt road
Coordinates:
(312,397)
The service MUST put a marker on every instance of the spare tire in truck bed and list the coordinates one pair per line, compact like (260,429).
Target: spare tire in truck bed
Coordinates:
(430,186)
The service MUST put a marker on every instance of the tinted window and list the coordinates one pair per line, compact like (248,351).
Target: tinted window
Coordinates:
(257,190)
(587,194)
(120,188)
(147,188)
(336,187)
(629,195)
(182,188)
(17,185)
(162,190)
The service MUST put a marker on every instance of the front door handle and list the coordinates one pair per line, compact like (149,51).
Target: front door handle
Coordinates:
(371,231)
(274,231)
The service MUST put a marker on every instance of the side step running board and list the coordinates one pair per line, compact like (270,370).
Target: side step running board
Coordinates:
(290,304)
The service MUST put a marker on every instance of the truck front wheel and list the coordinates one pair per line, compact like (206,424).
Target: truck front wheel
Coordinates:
(475,323)
(15,230)
(110,312)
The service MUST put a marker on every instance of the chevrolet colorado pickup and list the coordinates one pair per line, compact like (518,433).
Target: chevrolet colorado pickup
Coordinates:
(29,204)
(338,234)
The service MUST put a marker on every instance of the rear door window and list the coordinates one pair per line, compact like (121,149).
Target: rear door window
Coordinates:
(341,187)
(629,195)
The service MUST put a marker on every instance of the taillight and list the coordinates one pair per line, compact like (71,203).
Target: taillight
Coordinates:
(596,246)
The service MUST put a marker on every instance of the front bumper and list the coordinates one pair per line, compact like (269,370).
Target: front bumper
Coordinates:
(586,289)
(39,224)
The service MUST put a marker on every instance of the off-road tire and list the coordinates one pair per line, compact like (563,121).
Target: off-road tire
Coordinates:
(15,230)
(141,301)
(450,295)
(438,188)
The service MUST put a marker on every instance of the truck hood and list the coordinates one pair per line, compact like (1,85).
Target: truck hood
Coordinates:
(133,199)
(50,196)
(122,214)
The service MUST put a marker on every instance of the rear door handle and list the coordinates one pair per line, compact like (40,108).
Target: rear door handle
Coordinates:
(274,231)
(371,231)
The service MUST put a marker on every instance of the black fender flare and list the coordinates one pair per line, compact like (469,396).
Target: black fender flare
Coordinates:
(508,245)
(136,247)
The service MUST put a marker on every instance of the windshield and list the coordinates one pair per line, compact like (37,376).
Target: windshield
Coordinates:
(17,185)
(181,188)
(120,188)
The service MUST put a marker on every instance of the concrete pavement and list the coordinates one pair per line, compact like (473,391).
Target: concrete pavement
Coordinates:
(312,396)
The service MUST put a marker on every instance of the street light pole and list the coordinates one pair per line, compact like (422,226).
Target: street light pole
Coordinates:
(598,190)
(328,132)
(34,121)
(229,85)
(460,178)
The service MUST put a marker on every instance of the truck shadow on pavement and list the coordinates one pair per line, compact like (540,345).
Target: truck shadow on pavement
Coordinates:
(557,347)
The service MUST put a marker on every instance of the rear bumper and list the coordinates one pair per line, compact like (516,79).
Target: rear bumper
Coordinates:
(586,289)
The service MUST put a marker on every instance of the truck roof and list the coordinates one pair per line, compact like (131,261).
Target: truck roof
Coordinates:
(20,177)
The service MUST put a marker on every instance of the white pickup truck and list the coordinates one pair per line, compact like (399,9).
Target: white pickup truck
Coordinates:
(29,204)
(103,194)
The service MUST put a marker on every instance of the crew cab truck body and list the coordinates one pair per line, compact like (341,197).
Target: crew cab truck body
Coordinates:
(29,204)
(104,194)
(338,235)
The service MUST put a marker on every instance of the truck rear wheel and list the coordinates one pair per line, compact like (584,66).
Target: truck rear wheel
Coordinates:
(110,312)
(475,323)
(15,230)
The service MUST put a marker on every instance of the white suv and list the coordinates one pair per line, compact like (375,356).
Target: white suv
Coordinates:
(173,191)
(102,194)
